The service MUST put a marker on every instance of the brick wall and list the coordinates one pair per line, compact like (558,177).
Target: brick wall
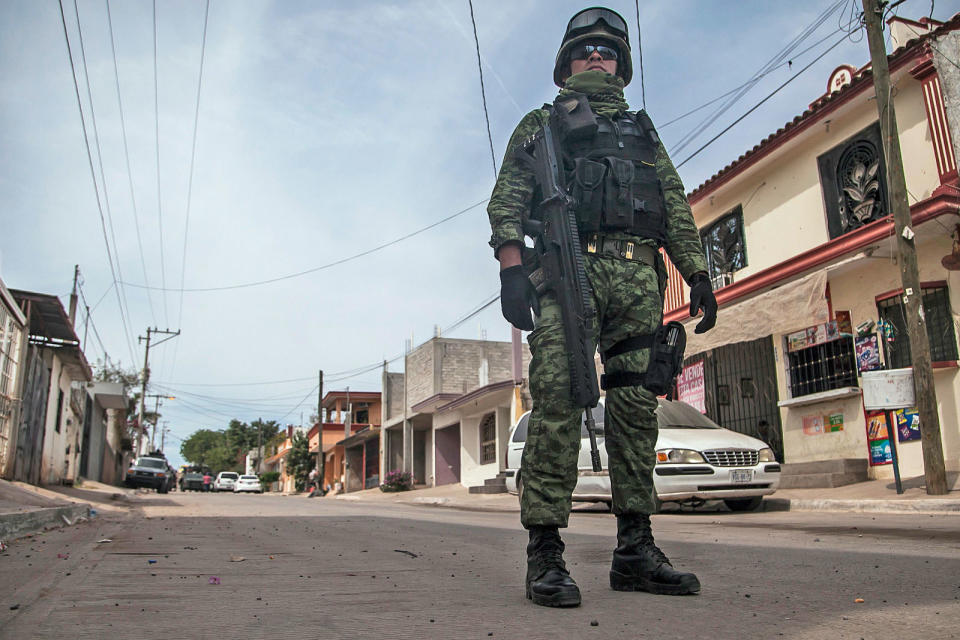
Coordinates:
(419,368)
(392,395)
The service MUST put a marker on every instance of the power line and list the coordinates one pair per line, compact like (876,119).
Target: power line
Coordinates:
(93,175)
(96,140)
(236,384)
(156,111)
(756,106)
(126,154)
(483,93)
(193,156)
(321,267)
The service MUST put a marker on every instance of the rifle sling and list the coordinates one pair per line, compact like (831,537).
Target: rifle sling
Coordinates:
(634,343)
(621,379)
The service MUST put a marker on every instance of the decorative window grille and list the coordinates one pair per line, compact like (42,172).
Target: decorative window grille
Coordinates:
(488,439)
(940,329)
(853,180)
(725,247)
(823,367)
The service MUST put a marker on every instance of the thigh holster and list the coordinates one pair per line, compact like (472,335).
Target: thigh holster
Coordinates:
(666,346)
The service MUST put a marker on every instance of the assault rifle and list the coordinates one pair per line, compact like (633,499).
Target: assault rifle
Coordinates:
(557,245)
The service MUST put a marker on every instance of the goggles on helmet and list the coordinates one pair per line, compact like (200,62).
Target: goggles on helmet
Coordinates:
(590,17)
(584,51)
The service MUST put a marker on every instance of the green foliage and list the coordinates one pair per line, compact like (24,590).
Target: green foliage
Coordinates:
(397,480)
(267,478)
(299,460)
(209,448)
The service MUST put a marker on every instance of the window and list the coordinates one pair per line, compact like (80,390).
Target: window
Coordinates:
(488,439)
(823,367)
(520,434)
(940,331)
(853,180)
(724,247)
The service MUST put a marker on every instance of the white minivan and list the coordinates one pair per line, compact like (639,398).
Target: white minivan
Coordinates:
(697,460)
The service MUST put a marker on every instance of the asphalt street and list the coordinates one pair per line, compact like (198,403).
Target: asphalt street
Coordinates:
(245,566)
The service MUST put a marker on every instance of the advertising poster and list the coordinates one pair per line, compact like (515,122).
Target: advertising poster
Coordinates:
(812,425)
(690,386)
(844,324)
(797,340)
(868,353)
(877,425)
(833,422)
(880,452)
(908,424)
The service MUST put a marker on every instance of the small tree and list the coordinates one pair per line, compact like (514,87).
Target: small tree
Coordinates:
(299,460)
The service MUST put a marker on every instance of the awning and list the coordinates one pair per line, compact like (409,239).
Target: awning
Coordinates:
(789,307)
(361,437)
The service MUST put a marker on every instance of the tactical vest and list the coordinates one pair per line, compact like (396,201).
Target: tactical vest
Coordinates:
(611,173)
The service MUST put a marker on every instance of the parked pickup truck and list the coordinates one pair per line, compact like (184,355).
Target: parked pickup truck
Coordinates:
(191,481)
(152,473)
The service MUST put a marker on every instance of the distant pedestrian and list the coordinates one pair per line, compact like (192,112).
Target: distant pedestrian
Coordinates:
(207,481)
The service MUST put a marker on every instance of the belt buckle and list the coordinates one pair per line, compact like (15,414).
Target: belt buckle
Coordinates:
(628,250)
(592,243)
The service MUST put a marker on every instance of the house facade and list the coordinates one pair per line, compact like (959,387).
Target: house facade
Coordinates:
(350,422)
(799,242)
(446,419)
(12,346)
(54,376)
(104,448)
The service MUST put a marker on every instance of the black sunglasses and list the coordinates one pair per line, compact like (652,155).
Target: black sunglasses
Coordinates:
(584,51)
(589,17)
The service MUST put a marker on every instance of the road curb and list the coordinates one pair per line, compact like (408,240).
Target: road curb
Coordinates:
(863,506)
(17,525)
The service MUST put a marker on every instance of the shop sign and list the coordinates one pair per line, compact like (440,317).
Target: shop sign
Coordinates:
(908,424)
(880,452)
(690,387)
(812,336)
(815,425)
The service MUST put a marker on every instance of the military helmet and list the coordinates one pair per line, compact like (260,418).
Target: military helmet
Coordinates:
(591,24)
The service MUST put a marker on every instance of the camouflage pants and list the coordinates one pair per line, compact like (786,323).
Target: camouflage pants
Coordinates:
(628,298)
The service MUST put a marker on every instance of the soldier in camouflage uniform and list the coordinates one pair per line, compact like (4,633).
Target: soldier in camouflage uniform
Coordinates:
(628,278)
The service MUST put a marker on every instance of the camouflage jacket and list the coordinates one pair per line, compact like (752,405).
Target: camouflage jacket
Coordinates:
(512,200)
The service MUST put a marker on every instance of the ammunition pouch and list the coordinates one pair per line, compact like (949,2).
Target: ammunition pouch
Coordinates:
(666,346)
(575,120)
(618,200)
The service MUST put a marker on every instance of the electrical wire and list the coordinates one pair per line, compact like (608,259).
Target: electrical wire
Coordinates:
(483,92)
(193,156)
(126,155)
(324,266)
(643,88)
(756,106)
(156,112)
(93,175)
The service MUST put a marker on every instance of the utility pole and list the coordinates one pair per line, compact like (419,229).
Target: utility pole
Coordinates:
(321,463)
(926,395)
(146,377)
(156,414)
(259,443)
(163,435)
(73,295)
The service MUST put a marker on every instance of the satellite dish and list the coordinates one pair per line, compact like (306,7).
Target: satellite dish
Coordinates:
(952,262)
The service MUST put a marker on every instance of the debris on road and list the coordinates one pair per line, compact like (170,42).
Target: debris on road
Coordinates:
(3,546)
(859,600)
(14,607)
(104,541)
(409,553)
(237,558)
(63,556)
(213,580)
(151,562)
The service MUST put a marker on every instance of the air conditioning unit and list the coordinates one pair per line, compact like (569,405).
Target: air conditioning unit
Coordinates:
(721,280)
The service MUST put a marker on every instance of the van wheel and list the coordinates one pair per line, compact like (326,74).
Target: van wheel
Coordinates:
(744,504)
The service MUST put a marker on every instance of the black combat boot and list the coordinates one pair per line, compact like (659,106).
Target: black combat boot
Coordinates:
(639,565)
(548,581)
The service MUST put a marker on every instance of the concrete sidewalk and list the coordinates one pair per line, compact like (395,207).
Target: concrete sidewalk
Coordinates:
(875,496)
(25,510)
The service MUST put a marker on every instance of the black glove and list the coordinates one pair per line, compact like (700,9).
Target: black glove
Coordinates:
(517,297)
(701,297)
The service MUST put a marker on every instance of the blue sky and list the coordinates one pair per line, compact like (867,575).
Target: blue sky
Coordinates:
(324,130)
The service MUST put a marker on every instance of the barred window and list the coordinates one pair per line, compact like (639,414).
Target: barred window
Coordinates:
(940,330)
(823,367)
(724,247)
(488,439)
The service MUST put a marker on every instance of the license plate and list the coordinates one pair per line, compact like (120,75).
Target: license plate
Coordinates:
(741,476)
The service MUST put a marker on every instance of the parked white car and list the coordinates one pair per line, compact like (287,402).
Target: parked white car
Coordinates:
(248,483)
(225,481)
(697,460)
